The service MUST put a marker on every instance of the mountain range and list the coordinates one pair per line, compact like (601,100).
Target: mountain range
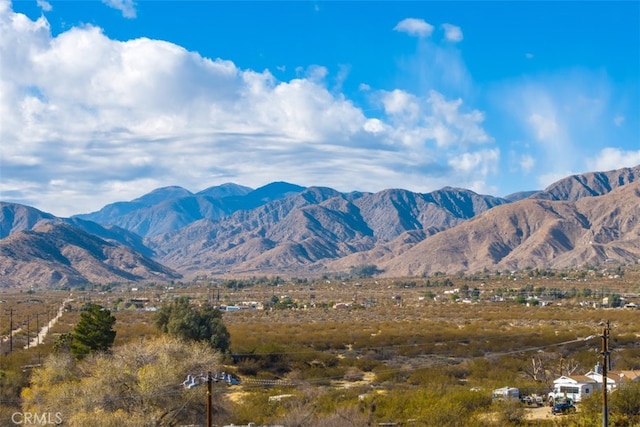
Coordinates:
(283,228)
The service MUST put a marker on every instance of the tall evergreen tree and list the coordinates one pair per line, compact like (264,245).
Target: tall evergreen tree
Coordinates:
(94,332)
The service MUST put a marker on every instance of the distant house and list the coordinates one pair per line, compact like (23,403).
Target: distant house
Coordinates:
(623,377)
(573,388)
(614,378)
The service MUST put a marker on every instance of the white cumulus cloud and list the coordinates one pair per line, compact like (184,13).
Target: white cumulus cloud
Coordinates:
(414,27)
(87,120)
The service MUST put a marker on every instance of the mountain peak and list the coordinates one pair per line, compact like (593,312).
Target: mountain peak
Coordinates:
(283,228)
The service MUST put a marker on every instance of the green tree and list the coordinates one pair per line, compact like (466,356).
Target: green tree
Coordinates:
(94,332)
(188,322)
(364,271)
(626,402)
(615,300)
(624,406)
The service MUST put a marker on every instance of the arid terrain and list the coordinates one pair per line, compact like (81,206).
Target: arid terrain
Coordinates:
(376,337)
(283,229)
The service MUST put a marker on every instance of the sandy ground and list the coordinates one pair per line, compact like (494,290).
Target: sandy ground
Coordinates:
(542,413)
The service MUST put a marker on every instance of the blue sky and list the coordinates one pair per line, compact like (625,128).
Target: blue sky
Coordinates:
(105,101)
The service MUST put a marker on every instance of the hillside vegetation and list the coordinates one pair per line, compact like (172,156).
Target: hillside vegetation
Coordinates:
(334,352)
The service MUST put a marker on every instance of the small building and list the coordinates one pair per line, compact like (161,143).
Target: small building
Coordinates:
(572,388)
(614,378)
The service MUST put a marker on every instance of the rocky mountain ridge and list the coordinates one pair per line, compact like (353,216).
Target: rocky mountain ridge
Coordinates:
(283,228)
(55,253)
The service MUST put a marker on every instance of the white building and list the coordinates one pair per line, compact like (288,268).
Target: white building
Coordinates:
(614,378)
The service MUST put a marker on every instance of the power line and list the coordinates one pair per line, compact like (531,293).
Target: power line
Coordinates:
(401,346)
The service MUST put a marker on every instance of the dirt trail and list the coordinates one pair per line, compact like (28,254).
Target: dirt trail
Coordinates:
(39,338)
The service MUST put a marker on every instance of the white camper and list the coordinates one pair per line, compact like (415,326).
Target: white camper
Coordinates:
(505,393)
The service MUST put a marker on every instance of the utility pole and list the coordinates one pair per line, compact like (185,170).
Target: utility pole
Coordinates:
(196,380)
(209,381)
(605,366)
(37,330)
(11,330)
(28,334)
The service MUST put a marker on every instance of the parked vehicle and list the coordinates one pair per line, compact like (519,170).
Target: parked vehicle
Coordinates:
(532,400)
(563,408)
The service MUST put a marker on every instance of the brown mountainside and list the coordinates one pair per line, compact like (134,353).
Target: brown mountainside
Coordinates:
(15,218)
(316,225)
(286,229)
(590,184)
(530,233)
(55,253)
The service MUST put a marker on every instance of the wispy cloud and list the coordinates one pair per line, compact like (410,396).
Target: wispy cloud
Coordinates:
(44,5)
(452,33)
(545,128)
(527,163)
(565,117)
(414,27)
(127,7)
(613,158)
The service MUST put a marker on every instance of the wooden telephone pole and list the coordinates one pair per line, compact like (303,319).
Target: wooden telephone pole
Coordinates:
(196,380)
(605,366)
(209,381)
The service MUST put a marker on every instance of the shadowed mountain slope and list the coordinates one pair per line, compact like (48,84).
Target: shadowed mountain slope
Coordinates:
(316,224)
(54,253)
